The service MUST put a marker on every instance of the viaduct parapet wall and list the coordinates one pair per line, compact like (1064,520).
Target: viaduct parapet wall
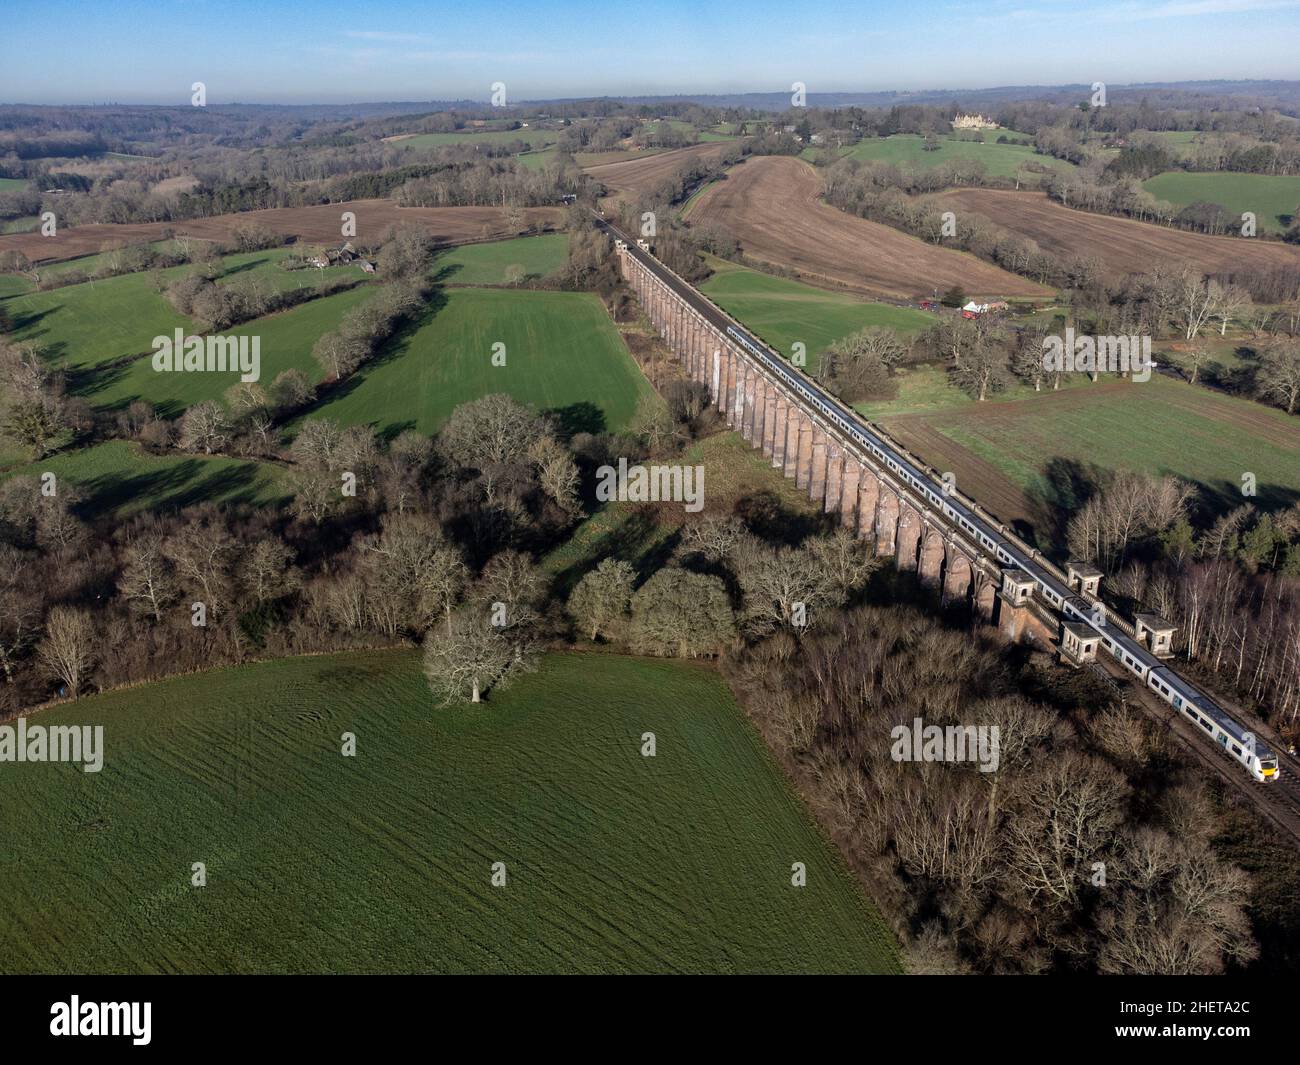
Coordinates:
(832,468)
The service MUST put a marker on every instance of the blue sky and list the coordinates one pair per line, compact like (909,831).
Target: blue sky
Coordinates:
(130,51)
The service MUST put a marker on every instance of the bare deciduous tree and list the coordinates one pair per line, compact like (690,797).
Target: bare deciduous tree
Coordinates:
(1279,373)
(148,580)
(468,658)
(680,613)
(67,650)
(601,599)
(205,427)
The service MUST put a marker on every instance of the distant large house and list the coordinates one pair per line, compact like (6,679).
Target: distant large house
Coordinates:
(973,122)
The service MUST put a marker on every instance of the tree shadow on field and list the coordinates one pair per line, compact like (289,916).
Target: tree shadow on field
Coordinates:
(1065,486)
(445,273)
(26,322)
(87,381)
(1242,379)
(632,540)
(26,319)
(392,430)
(582,417)
(1220,497)
(185,484)
(240,268)
(770,520)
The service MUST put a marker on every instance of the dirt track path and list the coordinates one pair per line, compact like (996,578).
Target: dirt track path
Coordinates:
(772,204)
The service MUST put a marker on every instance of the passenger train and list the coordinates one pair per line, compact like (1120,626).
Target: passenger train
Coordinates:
(1238,742)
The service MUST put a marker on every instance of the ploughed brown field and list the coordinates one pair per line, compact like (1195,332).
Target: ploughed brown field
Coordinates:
(319,224)
(773,206)
(1121,245)
(631,177)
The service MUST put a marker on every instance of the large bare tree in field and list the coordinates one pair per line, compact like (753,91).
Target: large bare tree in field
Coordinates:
(338,356)
(983,367)
(1231,302)
(469,657)
(68,649)
(1197,355)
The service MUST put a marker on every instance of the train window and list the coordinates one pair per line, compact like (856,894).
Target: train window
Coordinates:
(1208,726)
(1236,750)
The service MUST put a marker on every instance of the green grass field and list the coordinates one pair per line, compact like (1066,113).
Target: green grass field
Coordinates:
(118,478)
(13,285)
(562,351)
(381,863)
(928,389)
(783,312)
(538,159)
(286,342)
(906,150)
(92,323)
(682,126)
(1161,426)
(20,225)
(1173,137)
(1273,198)
(12,184)
(95,322)
(485,264)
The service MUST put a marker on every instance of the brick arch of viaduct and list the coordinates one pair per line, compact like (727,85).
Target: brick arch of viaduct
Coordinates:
(868,500)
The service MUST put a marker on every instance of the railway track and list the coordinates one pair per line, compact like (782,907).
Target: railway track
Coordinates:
(1278,801)
(1240,740)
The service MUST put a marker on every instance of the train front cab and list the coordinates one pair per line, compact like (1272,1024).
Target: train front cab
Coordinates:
(1264,767)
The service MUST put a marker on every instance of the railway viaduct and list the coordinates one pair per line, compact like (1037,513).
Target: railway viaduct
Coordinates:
(883,506)
(836,471)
